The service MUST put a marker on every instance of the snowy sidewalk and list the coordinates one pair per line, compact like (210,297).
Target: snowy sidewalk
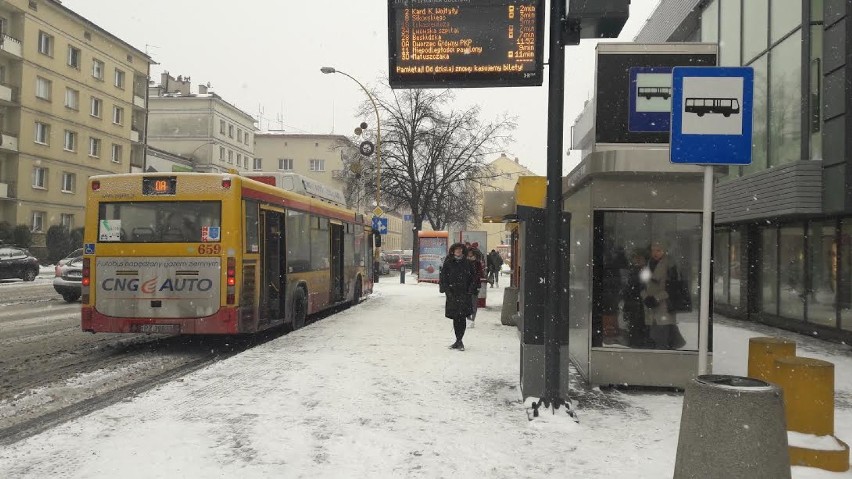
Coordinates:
(374,392)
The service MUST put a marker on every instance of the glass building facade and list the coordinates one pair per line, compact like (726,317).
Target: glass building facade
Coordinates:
(783,240)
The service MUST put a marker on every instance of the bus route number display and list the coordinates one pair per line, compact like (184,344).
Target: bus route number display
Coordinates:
(465,43)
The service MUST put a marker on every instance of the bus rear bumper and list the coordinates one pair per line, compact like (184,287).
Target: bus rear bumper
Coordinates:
(225,321)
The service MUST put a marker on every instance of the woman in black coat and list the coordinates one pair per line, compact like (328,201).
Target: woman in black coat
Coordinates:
(457,282)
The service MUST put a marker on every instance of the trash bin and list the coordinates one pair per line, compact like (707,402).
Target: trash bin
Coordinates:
(732,427)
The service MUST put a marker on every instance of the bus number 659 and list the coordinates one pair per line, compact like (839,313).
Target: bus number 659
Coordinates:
(209,248)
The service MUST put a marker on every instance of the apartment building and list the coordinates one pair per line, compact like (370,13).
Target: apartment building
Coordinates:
(319,157)
(216,135)
(72,105)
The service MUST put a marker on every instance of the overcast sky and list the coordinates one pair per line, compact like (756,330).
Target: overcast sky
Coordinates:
(266,54)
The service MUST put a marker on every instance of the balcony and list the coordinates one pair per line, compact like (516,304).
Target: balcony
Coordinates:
(8,142)
(11,46)
(134,136)
(8,95)
(4,190)
(138,101)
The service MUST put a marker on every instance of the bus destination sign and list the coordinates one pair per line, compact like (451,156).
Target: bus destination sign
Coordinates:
(465,43)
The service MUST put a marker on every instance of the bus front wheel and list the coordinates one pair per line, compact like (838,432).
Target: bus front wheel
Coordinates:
(300,308)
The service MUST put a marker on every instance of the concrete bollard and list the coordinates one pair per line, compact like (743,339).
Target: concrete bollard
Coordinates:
(510,306)
(732,427)
(762,353)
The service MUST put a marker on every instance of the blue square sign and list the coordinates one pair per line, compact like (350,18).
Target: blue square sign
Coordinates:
(380,225)
(650,99)
(712,115)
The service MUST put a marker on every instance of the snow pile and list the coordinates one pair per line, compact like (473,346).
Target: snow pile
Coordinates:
(813,442)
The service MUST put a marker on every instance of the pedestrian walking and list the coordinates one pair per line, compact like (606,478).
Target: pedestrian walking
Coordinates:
(476,259)
(456,281)
(495,262)
(634,310)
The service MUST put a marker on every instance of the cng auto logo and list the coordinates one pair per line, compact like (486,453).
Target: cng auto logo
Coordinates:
(153,285)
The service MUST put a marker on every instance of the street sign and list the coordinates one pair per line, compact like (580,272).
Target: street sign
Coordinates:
(366,148)
(475,43)
(650,99)
(712,115)
(378,211)
(406,218)
(380,225)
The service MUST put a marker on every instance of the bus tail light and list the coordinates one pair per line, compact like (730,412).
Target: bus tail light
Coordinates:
(96,185)
(226,183)
(231,280)
(86,281)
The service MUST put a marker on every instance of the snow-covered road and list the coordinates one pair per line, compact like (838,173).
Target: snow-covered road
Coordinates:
(373,391)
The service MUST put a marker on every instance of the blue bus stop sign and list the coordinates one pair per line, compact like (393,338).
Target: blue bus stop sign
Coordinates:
(712,115)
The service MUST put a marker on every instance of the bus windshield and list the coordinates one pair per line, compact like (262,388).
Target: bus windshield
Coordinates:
(159,222)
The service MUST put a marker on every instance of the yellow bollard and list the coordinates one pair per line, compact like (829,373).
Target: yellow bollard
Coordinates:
(808,386)
(762,353)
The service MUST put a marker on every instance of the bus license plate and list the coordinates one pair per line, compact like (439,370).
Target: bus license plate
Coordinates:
(160,328)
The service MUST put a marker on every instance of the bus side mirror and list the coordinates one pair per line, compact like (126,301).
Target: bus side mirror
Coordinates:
(377,239)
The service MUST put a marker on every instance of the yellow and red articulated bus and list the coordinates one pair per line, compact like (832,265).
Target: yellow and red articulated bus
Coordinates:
(198,253)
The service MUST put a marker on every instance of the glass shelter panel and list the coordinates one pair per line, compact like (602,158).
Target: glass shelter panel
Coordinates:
(769,270)
(791,269)
(844,275)
(646,273)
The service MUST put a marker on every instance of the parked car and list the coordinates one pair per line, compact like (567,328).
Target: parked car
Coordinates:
(72,255)
(384,266)
(17,263)
(68,279)
(395,261)
(407,257)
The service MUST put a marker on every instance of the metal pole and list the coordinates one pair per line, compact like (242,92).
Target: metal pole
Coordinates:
(706,240)
(553,210)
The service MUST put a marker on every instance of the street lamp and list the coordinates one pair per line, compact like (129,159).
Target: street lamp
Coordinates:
(328,70)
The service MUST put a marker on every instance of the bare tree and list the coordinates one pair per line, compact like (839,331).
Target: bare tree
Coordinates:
(433,156)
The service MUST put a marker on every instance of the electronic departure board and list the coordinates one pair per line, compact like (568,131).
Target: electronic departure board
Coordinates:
(465,43)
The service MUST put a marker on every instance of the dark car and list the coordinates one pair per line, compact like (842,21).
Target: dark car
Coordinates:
(69,278)
(17,262)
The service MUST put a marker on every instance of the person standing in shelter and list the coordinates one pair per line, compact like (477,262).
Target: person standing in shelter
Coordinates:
(661,322)
(476,259)
(634,310)
(456,281)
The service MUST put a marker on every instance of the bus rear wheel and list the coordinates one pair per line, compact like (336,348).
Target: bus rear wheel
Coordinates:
(358,291)
(300,308)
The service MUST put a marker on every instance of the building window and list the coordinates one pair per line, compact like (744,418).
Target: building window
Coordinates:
(239,135)
(785,108)
(42,132)
(221,153)
(45,44)
(730,33)
(759,142)
(73,57)
(258,164)
(786,16)
(317,165)
(222,127)
(247,138)
(755,28)
(98,69)
(117,153)
(239,159)
(119,78)
(97,106)
(40,177)
(230,131)
(70,140)
(43,88)
(68,182)
(118,115)
(285,164)
(710,22)
(72,99)
(67,220)
(95,147)
(822,256)
(230,157)
(38,221)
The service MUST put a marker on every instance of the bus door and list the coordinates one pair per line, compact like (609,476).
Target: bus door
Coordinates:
(272,270)
(337,290)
